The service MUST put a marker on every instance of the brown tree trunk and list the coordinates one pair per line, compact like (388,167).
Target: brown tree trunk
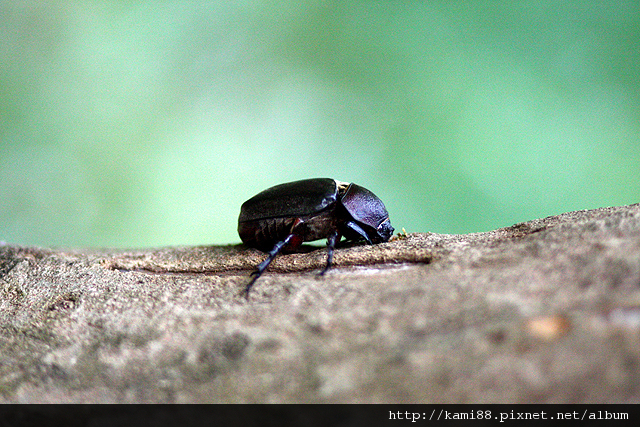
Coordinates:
(543,311)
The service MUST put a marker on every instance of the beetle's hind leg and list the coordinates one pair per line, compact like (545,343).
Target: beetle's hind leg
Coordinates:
(264,264)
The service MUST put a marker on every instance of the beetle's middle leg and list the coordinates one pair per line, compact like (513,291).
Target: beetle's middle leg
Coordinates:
(264,264)
(333,238)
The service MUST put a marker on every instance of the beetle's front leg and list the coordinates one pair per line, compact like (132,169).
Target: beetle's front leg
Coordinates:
(331,245)
(355,227)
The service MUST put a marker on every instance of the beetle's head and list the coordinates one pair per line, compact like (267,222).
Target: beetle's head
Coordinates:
(385,230)
(368,212)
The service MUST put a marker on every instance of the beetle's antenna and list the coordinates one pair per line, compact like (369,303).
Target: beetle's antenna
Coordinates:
(264,264)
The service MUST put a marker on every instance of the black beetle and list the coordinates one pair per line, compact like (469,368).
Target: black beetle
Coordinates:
(284,216)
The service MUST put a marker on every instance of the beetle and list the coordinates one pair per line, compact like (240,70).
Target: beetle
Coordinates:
(282,217)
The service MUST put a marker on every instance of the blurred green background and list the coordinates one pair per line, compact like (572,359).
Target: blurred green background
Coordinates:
(148,123)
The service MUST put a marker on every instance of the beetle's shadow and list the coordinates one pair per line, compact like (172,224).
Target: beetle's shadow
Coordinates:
(306,248)
(310,247)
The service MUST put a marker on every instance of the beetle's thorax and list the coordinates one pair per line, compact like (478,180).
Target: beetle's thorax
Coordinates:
(318,226)
(368,212)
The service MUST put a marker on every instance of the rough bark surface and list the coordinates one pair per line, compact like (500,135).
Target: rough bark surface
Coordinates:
(543,311)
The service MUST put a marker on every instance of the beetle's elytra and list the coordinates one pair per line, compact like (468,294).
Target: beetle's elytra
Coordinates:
(284,216)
